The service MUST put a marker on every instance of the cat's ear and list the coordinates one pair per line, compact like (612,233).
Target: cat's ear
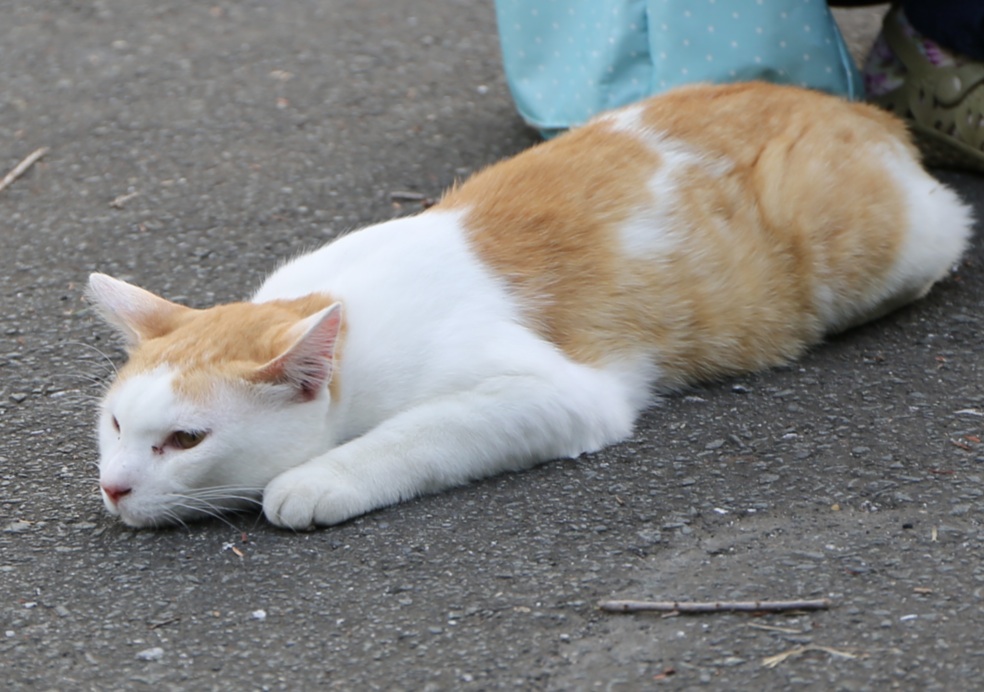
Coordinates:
(308,362)
(136,313)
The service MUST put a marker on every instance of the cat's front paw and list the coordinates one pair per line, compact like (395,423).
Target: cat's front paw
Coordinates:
(310,496)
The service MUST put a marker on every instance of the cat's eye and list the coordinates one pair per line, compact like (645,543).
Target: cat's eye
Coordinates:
(116,424)
(185,439)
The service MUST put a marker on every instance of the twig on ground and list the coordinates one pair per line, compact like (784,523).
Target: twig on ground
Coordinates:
(123,199)
(773,661)
(22,167)
(407,196)
(401,196)
(712,607)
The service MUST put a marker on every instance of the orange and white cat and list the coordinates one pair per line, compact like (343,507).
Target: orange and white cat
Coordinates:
(529,315)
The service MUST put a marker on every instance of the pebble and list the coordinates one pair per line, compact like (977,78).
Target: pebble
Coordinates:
(17,526)
(155,653)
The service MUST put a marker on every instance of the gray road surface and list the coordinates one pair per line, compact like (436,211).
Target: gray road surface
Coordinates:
(245,132)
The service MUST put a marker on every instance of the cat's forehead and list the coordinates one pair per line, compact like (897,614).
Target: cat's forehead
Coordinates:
(145,400)
(222,343)
(236,331)
(202,336)
(145,391)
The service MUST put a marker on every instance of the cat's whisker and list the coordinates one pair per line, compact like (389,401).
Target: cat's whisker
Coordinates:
(242,494)
(79,386)
(229,487)
(228,491)
(84,376)
(199,509)
(83,396)
(257,518)
(105,357)
(202,506)
(79,395)
(175,518)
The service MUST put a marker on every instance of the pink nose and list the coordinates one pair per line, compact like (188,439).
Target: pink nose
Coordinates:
(115,492)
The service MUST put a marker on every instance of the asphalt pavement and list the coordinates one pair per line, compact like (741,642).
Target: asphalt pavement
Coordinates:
(192,146)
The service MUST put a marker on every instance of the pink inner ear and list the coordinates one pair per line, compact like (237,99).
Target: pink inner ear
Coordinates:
(307,364)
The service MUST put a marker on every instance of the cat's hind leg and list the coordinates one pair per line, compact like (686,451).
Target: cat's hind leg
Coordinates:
(507,422)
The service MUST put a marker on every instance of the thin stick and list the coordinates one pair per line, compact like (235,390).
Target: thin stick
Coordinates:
(715,607)
(123,199)
(407,196)
(20,168)
(164,623)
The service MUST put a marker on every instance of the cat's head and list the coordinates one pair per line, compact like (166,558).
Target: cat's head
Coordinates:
(211,404)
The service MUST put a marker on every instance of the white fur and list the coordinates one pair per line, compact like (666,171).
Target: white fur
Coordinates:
(481,393)
(251,439)
(938,230)
(439,383)
(654,231)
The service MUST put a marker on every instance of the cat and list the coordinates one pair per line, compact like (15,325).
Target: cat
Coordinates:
(531,314)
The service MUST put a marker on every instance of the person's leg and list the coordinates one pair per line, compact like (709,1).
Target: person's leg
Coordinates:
(567,61)
(957,25)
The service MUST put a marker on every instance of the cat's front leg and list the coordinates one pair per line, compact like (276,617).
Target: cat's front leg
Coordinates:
(317,493)
(506,423)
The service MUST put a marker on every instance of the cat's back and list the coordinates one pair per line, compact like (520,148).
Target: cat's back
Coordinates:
(720,228)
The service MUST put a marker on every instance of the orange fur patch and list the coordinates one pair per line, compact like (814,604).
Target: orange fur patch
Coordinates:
(228,341)
(802,203)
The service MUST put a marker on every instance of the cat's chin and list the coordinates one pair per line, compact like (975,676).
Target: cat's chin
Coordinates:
(144,519)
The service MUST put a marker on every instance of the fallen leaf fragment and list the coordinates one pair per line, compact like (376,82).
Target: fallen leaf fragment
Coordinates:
(773,661)
(773,628)
(667,672)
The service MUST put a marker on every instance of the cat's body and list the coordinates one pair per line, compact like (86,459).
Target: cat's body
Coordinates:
(530,314)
